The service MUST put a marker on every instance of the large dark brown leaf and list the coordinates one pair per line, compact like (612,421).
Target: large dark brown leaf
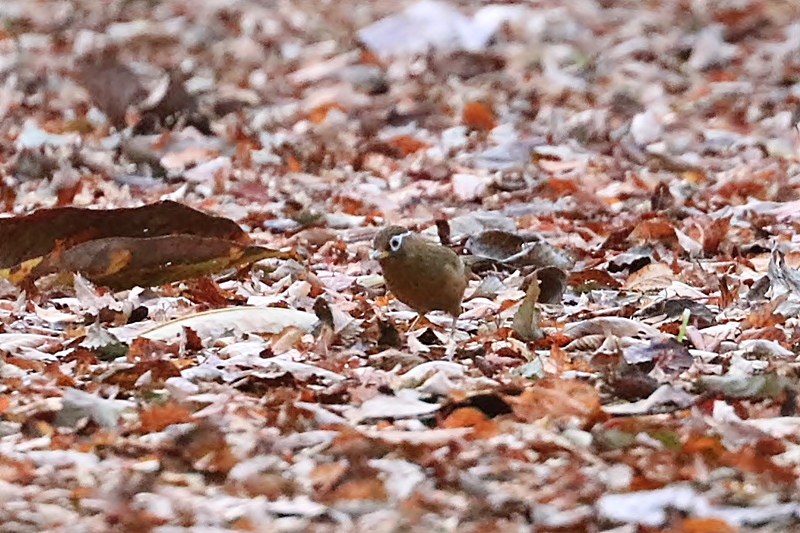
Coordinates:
(125,262)
(38,234)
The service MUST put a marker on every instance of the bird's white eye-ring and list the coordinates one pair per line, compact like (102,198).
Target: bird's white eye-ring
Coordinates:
(397,241)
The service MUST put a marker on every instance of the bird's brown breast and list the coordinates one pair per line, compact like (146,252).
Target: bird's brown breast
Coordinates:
(426,277)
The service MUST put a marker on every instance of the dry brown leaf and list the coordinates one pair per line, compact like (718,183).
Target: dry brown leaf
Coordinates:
(158,417)
(556,399)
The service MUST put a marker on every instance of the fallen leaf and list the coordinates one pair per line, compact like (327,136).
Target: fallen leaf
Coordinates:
(478,116)
(558,399)
(38,234)
(158,417)
(239,320)
(77,404)
(404,405)
(125,262)
(526,319)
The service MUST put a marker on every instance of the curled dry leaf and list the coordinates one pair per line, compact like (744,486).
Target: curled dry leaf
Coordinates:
(552,284)
(632,260)
(664,399)
(169,105)
(526,319)
(617,326)
(512,249)
(464,226)
(116,89)
(122,248)
(652,277)
(673,308)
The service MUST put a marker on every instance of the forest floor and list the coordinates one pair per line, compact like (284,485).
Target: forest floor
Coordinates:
(622,176)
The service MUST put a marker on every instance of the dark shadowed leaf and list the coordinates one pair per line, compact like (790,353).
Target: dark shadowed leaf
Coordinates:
(168,106)
(667,354)
(552,284)
(701,315)
(632,260)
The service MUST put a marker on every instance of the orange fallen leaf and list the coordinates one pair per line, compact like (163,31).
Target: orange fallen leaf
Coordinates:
(157,417)
(25,364)
(656,229)
(5,403)
(563,186)
(160,371)
(293,164)
(466,417)
(407,144)
(320,113)
(478,116)
(703,444)
(703,525)
(243,524)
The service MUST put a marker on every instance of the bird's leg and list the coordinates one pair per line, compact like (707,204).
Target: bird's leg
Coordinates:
(452,330)
(450,351)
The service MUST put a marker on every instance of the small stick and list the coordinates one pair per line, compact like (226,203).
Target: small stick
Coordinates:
(414,323)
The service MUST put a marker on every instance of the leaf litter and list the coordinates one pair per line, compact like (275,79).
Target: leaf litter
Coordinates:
(193,335)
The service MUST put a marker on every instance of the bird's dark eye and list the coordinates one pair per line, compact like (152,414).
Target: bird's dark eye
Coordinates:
(395,242)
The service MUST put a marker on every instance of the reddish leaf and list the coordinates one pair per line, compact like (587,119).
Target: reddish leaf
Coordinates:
(478,116)
(160,371)
(157,417)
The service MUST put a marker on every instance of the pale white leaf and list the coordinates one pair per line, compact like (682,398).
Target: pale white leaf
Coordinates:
(234,320)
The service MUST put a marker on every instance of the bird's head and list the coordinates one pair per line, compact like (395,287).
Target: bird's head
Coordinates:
(389,243)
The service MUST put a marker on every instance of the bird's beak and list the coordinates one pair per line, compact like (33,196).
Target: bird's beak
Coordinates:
(378,254)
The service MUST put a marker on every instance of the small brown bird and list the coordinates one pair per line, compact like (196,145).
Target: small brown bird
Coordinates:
(423,275)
